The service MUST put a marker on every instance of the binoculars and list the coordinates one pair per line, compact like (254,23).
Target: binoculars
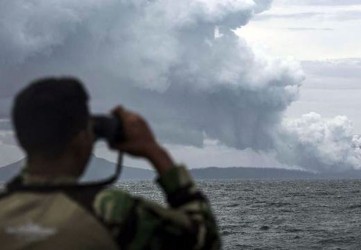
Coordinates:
(109,128)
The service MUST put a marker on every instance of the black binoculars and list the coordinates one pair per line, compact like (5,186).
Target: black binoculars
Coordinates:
(109,128)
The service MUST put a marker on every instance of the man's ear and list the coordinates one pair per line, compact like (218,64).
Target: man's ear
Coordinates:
(81,148)
(82,142)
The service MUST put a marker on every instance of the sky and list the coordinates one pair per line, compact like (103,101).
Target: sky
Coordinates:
(319,34)
(223,83)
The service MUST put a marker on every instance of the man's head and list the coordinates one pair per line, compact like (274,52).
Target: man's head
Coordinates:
(49,115)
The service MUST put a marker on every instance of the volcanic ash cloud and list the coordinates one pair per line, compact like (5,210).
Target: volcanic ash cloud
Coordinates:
(177,62)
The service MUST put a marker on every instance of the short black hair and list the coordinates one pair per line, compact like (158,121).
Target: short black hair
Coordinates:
(48,113)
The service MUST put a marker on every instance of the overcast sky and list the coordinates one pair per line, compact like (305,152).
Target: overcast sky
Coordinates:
(283,92)
(320,34)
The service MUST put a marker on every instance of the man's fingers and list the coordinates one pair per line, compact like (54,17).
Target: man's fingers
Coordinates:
(138,136)
(118,111)
(129,148)
(125,114)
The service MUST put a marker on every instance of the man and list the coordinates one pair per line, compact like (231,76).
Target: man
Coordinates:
(44,209)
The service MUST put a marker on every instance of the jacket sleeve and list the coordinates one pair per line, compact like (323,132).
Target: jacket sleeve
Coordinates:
(136,223)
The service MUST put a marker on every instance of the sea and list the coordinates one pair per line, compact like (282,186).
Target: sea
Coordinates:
(275,214)
(301,214)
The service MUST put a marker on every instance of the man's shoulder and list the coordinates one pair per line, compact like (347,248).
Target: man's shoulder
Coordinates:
(113,204)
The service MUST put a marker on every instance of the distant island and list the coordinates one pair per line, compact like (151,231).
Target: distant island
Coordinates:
(100,169)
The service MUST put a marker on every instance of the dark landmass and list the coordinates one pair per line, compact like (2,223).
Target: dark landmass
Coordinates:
(9,171)
(98,169)
(101,169)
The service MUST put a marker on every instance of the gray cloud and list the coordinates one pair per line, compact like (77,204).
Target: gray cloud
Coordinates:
(348,15)
(320,2)
(328,141)
(301,15)
(341,15)
(5,124)
(163,59)
(7,137)
(308,29)
(335,69)
(318,143)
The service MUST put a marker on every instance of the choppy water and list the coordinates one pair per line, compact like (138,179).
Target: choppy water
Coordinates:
(280,214)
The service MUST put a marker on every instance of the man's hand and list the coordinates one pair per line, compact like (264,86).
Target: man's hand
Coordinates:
(140,141)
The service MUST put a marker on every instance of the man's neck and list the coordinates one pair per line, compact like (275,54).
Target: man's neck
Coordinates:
(52,168)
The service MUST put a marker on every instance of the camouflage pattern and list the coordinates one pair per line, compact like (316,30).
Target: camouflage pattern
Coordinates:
(49,221)
(111,218)
(188,222)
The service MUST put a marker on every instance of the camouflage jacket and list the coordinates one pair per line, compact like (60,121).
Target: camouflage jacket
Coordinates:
(137,223)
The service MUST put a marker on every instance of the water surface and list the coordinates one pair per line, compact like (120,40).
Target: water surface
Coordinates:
(280,214)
